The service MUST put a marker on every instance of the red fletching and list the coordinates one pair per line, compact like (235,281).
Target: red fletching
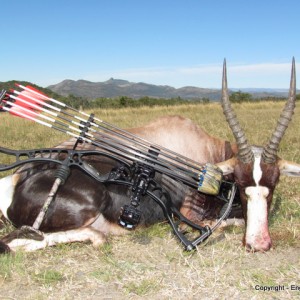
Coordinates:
(27,99)
(35,90)
(22,112)
(19,112)
(25,103)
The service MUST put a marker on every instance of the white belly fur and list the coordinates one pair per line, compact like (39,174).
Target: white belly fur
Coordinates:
(7,188)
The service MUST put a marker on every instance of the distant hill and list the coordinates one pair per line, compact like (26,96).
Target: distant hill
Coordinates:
(117,87)
(114,88)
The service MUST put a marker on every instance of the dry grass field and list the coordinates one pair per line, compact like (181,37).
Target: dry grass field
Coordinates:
(150,263)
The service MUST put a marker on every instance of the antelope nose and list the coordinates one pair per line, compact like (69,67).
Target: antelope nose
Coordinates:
(259,247)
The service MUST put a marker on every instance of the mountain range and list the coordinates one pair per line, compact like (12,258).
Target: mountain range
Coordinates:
(117,87)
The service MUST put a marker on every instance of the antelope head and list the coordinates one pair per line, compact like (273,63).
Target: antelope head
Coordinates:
(256,170)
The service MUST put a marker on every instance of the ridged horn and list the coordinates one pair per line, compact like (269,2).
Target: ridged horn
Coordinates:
(269,154)
(245,154)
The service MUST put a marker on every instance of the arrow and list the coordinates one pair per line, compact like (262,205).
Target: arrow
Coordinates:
(117,131)
(33,105)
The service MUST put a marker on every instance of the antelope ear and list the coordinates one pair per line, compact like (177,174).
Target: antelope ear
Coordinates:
(289,168)
(227,166)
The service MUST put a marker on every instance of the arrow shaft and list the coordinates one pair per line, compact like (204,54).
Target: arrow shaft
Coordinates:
(106,136)
(116,129)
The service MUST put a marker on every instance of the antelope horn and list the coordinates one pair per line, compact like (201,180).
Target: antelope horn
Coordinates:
(269,154)
(245,154)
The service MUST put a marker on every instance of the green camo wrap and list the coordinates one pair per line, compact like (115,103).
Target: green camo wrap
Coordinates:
(210,179)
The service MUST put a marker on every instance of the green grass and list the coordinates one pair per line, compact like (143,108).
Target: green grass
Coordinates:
(142,288)
(48,277)
(151,263)
(10,264)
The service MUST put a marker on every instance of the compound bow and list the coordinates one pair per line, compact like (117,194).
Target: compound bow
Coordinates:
(138,161)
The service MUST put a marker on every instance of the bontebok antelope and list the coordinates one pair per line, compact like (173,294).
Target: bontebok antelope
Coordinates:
(85,208)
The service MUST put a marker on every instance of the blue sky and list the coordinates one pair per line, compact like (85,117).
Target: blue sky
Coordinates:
(166,42)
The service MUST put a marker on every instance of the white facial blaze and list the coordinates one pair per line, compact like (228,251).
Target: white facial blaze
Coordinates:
(257,171)
(257,233)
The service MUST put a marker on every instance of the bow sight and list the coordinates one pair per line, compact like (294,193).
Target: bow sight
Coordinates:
(137,161)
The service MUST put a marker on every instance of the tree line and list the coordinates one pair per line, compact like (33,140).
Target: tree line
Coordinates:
(239,97)
(125,101)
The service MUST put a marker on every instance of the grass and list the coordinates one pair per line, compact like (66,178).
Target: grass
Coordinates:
(150,263)
(142,288)
(48,277)
(10,264)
